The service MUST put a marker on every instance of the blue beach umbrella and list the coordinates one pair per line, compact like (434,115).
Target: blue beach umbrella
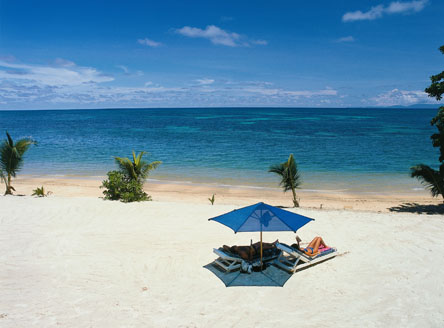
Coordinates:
(262,217)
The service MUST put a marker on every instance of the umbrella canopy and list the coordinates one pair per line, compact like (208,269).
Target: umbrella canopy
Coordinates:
(262,217)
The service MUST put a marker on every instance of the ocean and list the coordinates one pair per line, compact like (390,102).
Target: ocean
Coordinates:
(354,149)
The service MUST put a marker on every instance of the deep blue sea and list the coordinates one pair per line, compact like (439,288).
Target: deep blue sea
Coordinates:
(367,149)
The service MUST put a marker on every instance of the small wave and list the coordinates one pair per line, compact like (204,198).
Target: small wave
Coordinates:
(325,190)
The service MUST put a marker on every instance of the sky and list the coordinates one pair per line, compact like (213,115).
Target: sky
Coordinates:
(118,54)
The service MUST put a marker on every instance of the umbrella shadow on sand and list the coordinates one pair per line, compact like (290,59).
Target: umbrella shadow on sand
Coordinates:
(271,276)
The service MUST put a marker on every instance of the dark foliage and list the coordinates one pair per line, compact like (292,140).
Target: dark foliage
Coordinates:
(433,179)
(119,186)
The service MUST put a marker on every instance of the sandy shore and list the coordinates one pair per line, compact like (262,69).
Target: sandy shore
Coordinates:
(85,262)
(418,201)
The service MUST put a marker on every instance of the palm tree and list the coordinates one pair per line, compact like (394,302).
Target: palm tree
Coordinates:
(137,169)
(290,178)
(11,159)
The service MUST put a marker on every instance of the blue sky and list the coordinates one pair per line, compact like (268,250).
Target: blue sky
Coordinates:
(101,54)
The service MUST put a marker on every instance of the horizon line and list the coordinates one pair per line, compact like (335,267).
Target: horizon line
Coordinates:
(414,106)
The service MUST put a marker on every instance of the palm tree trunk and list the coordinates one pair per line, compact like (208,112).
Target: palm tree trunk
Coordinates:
(8,186)
(295,202)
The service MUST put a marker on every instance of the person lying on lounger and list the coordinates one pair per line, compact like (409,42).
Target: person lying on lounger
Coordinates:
(312,248)
(249,252)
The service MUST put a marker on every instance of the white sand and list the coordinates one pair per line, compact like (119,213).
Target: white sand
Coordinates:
(85,262)
(381,201)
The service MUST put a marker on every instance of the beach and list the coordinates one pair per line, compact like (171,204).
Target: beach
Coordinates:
(222,164)
(75,260)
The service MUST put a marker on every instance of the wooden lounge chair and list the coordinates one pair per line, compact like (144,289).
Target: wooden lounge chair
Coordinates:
(227,261)
(230,262)
(293,260)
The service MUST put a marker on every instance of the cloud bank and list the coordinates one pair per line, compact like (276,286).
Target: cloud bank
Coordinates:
(65,85)
(403,98)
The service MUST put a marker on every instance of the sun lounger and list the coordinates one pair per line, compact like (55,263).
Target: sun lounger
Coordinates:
(227,261)
(293,260)
(230,262)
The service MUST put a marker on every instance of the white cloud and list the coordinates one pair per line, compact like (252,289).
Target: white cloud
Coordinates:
(378,11)
(373,13)
(213,33)
(219,36)
(149,43)
(401,7)
(205,81)
(402,98)
(346,39)
(52,75)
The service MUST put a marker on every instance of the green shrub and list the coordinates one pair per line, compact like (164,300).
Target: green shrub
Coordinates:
(120,187)
(40,192)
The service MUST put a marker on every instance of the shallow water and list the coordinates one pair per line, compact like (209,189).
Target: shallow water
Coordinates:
(365,149)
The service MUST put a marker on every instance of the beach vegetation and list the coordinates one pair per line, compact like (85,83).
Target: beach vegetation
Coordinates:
(119,187)
(290,177)
(126,184)
(433,179)
(40,192)
(11,159)
(137,168)
(212,199)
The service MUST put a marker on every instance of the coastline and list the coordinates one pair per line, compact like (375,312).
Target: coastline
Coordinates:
(198,193)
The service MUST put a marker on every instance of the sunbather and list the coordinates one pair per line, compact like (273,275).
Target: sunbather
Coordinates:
(249,252)
(312,248)
(245,252)
(265,246)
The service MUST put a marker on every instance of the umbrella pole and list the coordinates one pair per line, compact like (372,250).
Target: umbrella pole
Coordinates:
(261,249)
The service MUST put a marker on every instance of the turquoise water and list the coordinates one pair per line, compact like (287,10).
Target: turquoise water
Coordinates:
(336,149)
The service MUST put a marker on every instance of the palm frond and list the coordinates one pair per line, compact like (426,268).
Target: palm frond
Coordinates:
(277,168)
(23,145)
(138,159)
(126,166)
(136,169)
(432,180)
(9,141)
